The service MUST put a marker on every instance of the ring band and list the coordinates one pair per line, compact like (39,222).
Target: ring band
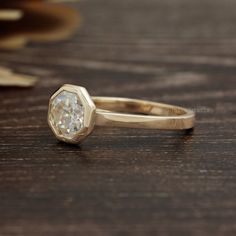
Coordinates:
(72,114)
(154,115)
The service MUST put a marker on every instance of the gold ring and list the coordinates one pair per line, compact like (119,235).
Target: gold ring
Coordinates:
(72,114)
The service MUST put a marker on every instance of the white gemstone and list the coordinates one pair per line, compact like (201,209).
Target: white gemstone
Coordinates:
(66,114)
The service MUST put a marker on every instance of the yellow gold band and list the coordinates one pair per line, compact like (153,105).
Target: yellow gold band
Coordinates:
(120,112)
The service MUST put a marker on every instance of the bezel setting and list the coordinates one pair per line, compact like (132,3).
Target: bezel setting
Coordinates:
(89,109)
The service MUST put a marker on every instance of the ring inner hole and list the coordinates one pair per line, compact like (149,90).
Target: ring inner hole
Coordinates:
(138,107)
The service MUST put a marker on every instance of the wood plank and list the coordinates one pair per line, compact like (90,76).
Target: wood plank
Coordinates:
(126,182)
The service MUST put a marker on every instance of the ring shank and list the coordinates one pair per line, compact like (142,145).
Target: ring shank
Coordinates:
(135,113)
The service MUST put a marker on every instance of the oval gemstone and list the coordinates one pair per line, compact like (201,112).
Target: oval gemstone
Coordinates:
(66,114)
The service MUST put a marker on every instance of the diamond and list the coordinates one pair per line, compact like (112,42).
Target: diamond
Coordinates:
(66,114)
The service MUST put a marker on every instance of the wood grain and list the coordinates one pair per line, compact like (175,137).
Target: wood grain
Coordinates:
(126,182)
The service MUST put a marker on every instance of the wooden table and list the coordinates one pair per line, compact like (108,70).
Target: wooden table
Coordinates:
(126,182)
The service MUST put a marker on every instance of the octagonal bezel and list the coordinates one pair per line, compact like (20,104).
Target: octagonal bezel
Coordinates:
(89,113)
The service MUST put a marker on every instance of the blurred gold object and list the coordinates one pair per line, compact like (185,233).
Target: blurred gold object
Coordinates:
(8,78)
(35,20)
(10,14)
(32,20)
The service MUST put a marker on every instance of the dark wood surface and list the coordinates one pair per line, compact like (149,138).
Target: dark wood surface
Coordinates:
(119,181)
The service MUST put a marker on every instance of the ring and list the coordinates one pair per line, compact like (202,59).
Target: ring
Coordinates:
(72,114)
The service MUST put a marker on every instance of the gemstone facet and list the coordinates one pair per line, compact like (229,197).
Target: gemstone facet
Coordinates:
(66,114)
